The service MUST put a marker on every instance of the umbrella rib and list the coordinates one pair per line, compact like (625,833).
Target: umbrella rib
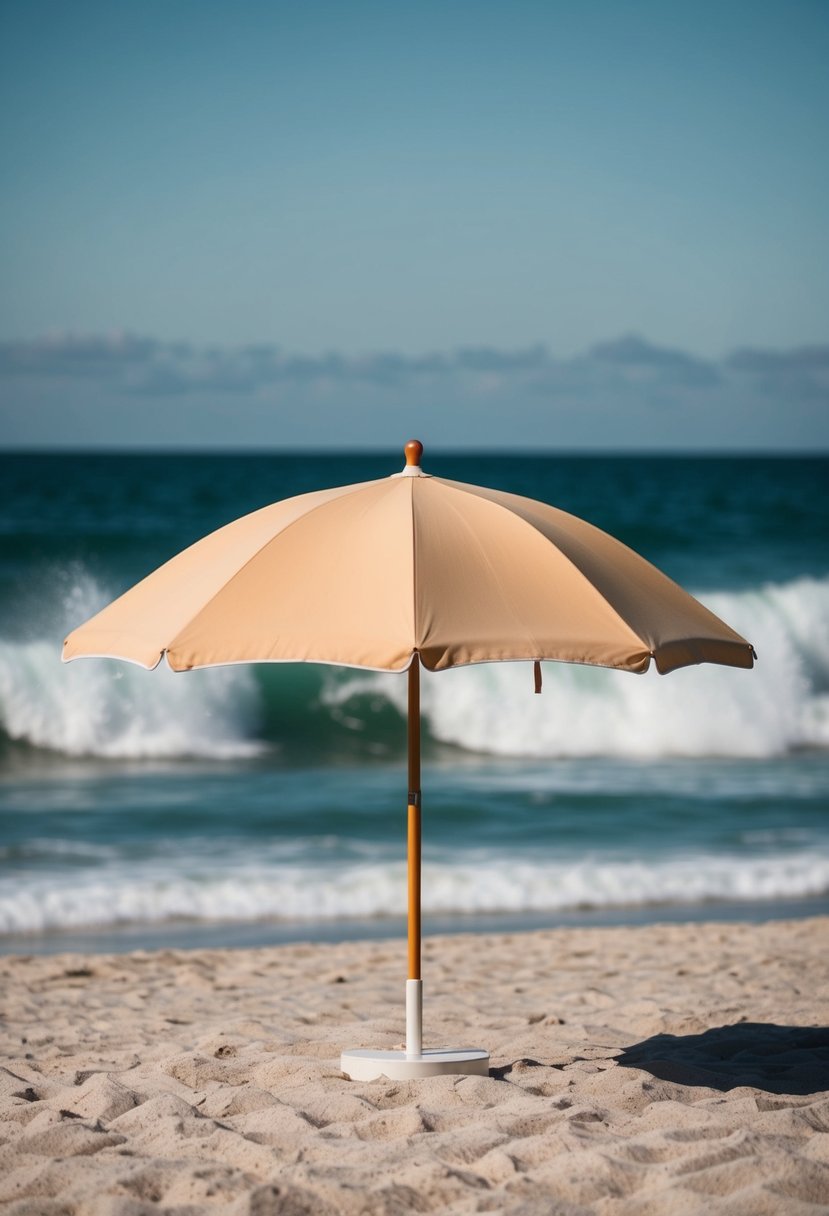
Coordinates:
(574,564)
(565,557)
(346,491)
(493,571)
(653,652)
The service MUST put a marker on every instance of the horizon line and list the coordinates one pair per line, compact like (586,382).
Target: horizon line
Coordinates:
(380,450)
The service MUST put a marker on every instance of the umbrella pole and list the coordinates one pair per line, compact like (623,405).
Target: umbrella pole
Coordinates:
(362,1064)
(414,983)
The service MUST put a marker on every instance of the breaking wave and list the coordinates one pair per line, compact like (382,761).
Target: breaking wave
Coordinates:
(110,709)
(242,891)
(780,706)
(116,709)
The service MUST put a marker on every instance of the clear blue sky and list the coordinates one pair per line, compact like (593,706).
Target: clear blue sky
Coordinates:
(379,177)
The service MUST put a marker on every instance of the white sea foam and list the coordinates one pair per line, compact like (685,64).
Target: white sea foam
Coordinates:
(116,709)
(782,705)
(239,891)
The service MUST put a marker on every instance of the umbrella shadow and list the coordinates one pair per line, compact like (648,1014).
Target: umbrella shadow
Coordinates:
(777,1059)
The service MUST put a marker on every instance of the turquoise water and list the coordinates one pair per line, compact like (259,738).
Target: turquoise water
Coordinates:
(258,803)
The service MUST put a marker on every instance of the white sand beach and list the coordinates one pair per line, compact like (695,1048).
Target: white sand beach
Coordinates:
(661,1069)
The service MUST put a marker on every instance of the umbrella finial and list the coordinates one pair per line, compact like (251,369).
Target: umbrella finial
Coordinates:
(414,453)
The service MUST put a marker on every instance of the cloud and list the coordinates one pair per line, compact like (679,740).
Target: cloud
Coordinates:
(764,362)
(92,356)
(632,354)
(146,365)
(803,371)
(123,388)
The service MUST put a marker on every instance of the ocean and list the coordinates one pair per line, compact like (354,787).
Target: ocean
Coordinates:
(257,804)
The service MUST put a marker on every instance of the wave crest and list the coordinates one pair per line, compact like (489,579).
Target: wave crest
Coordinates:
(780,706)
(115,710)
(242,892)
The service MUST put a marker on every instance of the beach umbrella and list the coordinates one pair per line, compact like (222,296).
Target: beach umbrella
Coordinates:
(391,575)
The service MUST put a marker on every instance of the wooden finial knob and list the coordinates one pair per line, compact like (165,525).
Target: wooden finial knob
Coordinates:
(414,452)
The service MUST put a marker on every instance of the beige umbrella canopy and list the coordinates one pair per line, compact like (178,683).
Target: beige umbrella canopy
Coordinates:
(409,570)
(371,575)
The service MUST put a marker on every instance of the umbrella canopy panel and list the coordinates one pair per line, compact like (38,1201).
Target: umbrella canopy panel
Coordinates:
(371,574)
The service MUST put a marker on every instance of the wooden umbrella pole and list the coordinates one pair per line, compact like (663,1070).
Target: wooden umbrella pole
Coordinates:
(414,989)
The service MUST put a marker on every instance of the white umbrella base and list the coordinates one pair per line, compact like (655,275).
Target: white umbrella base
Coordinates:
(364,1065)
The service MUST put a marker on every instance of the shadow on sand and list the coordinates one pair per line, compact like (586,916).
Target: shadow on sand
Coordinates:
(777,1059)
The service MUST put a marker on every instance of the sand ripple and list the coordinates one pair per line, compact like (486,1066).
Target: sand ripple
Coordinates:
(645,1071)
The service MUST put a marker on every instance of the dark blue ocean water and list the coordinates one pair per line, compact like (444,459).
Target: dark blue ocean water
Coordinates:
(250,803)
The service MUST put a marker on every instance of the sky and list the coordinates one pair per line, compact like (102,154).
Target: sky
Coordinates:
(511,224)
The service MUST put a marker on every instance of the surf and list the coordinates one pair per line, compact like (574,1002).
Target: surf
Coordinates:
(111,710)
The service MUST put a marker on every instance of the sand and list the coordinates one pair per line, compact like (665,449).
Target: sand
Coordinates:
(667,1069)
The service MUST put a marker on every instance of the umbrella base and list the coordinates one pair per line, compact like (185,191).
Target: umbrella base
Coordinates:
(363,1065)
